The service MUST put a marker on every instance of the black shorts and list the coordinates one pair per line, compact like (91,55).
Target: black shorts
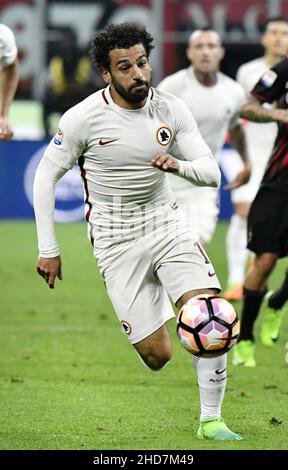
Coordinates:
(268,223)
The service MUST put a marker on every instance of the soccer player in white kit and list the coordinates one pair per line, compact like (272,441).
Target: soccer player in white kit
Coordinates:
(215,100)
(260,141)
(121,137)
(8,78)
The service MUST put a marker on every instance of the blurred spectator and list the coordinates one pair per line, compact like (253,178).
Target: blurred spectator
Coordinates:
(71,79)
(8,78)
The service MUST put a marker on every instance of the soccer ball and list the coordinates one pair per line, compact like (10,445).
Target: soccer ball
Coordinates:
(207,326)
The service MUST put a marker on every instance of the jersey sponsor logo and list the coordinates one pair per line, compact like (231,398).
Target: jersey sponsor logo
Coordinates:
(164,135)
(126,327)
(269,78)
(106,141)
(58,137)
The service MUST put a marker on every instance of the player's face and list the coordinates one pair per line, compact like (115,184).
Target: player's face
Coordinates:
(275,39)
(130,73)
(205,51)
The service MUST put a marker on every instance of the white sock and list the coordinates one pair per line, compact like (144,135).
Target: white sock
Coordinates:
(237,253)
(212,378)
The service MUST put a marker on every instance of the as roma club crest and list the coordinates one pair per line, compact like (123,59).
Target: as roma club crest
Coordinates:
(126,327)
(164,135)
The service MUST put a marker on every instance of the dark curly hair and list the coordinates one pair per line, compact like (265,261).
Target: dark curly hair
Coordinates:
(118,36)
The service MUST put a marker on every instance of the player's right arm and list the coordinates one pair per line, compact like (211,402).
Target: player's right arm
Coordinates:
(254,111)
(49,262)
(59,157)
(238,140)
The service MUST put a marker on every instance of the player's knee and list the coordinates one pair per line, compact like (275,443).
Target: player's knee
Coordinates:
(266,263)
(155,350)
(156,361)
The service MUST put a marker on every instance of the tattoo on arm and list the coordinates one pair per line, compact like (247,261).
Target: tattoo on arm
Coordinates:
(254,111)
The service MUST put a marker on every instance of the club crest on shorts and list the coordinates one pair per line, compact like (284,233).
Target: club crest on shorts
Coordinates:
(58,137)
(164,135)
(126,327)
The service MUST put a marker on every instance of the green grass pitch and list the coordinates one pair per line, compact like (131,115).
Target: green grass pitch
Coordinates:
(70,379)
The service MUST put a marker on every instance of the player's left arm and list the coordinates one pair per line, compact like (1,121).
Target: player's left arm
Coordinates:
(9,77)
(195,161)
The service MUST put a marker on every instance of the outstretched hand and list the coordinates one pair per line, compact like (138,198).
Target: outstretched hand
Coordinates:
(165,162)
(49,269)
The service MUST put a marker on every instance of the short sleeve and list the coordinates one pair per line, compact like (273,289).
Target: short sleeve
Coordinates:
(8,49)
(271,85)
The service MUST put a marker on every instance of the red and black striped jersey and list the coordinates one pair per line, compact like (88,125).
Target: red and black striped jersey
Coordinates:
(273,86)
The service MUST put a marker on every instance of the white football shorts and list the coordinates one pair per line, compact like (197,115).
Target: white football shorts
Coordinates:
(140,274)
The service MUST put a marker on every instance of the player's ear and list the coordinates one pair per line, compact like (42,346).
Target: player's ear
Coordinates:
(106,75)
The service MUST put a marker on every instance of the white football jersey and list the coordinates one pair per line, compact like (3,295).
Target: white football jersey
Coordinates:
(8,49)
(114,147)
(260,136)
(215,108)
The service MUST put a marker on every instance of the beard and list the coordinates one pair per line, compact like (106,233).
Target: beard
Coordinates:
(133,94)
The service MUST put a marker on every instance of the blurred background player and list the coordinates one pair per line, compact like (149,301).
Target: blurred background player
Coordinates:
(267,219)
(69,80)
(215,100)
(260,141)
(8,78)
(121,136)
